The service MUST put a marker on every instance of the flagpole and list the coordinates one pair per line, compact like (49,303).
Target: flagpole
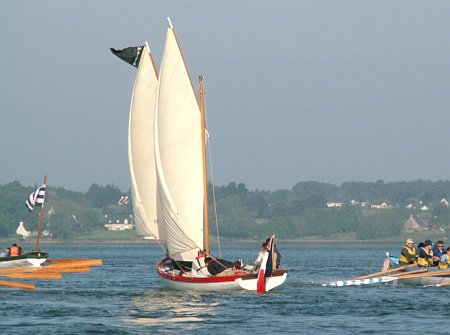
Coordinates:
(41,214)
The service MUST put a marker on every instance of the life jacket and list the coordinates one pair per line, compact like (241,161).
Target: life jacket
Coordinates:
(444,264)
(426,262)
(14,251)
(403,259)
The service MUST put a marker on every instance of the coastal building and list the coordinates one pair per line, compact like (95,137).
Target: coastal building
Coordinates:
(119,225)
(353,202)
(334,204)
(414,224)
(382,206)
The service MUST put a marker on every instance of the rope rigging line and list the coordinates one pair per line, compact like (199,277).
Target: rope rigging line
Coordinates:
(216,218)
(160,244)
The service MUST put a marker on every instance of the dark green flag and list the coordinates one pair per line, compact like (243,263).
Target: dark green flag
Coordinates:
(131,55)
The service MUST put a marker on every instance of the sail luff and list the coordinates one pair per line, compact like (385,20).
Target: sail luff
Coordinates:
(152,60)
(182,58)
(141,149)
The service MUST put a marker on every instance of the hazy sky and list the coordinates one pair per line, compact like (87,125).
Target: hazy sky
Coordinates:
(330,91)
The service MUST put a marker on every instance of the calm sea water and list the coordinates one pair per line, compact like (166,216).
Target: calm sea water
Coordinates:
(125,296)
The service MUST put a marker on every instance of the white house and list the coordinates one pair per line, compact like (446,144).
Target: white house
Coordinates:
(334,204)
(119,226)
(125,225)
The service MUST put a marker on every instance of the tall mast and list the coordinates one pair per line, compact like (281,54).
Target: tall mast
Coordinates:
(205,176)
(41,213)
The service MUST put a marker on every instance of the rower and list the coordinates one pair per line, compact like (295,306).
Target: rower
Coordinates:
(426,258)
(438,251)
(408,254)
(444,262)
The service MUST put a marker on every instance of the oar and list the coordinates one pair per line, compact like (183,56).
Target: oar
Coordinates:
(64,270)
(48,268)
(77,261)
(15,270)
(64,260)
(427,274)
(51,276)
(382,272)
(443,284)
(373,280)
(44,273)
(15,284)
(359,282)
(67,265)
(406,273)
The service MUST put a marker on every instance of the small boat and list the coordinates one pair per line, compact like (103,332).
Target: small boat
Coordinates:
(167,161)
(36,257)
(188,281)
(392,272)
(433,275)
(30,259)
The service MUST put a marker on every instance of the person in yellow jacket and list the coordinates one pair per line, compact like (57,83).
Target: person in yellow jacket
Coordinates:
(408,254)
(444,262)
(426,257)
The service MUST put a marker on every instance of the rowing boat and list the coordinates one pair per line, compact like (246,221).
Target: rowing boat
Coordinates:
(432,277)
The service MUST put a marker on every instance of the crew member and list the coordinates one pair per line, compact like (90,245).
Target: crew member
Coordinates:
(426,258)
(14,250)
(408,254)
(444,262)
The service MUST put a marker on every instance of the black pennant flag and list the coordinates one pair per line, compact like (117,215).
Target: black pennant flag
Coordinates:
(131,55)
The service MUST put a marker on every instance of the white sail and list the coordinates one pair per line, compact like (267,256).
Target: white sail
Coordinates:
(178,154)
(141,149)
(167,160)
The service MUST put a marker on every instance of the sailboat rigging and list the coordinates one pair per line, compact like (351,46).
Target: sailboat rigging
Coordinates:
(36,257)
(167,161)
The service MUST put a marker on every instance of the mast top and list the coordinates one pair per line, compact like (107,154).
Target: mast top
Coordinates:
(170,22)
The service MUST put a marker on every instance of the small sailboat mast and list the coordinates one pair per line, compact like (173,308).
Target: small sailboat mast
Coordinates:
(205,175)
(41,214)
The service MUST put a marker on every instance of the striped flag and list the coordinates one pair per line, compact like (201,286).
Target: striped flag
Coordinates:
(36,198)
(266,268)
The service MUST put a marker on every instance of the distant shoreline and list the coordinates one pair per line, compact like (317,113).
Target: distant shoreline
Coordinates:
(139,241)
(8,241)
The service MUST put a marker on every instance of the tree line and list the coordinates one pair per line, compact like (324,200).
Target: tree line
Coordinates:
(300,212)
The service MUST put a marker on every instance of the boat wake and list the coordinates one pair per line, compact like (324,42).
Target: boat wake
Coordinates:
(171,307)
